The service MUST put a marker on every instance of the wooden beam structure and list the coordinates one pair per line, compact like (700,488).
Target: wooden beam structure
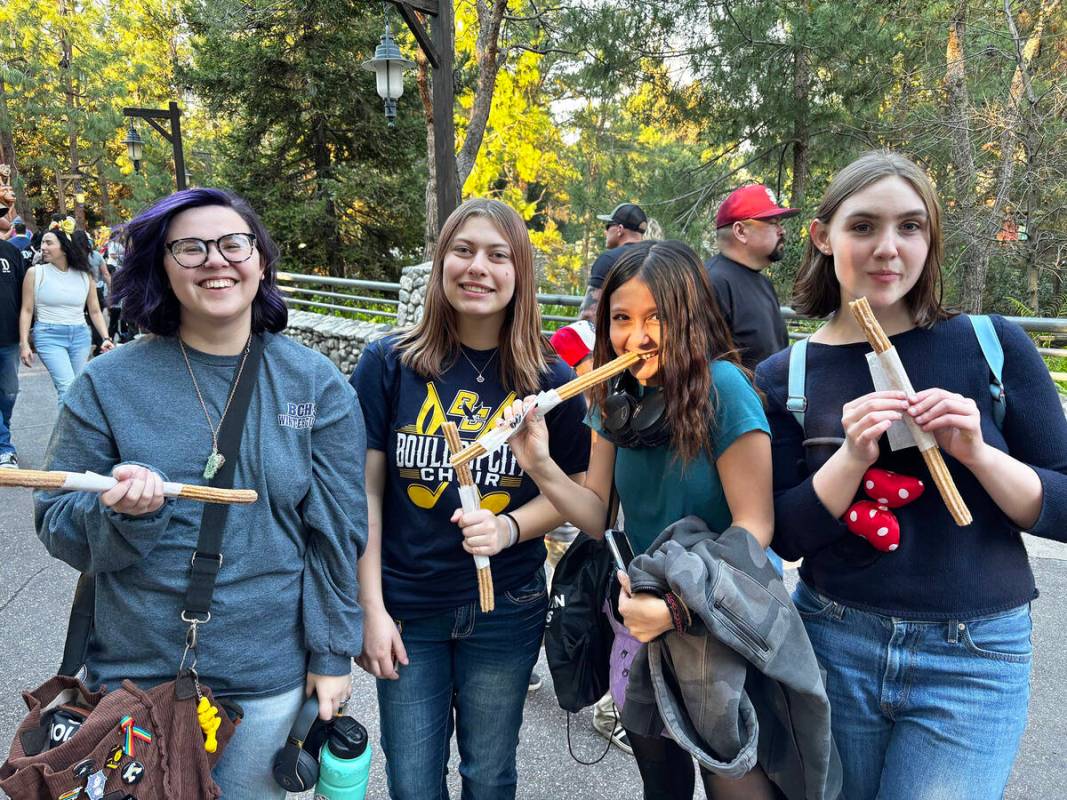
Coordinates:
(439,47)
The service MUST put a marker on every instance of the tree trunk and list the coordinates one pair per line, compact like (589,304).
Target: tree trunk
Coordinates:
(490,59)
(801,135)
(958,112)
(105,198)
(323,170)
(7,156)
(422,81)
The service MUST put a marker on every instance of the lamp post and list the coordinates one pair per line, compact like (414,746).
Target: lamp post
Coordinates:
(134,146)
(388,65)
(174,136)
(439,53)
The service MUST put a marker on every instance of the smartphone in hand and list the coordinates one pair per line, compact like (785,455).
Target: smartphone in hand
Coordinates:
(620,548)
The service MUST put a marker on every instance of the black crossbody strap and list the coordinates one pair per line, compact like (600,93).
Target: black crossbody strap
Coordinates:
(207,558)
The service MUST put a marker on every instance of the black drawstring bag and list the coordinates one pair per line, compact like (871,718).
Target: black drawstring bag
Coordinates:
(578,636)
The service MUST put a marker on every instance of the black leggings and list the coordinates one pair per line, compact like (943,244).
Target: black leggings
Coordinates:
(667,774)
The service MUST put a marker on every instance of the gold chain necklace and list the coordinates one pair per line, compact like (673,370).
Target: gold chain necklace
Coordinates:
(216,459)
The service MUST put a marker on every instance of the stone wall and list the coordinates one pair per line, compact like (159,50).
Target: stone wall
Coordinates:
(412,294)
(342,339)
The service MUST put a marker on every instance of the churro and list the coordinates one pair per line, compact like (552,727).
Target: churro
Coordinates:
(545,402)
(469,496)
(931,454)
(92,482)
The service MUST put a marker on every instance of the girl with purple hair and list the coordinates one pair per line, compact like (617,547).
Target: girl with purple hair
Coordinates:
(199,277)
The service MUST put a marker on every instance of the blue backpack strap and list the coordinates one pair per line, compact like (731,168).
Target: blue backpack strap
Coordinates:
(797,402)
(994,356)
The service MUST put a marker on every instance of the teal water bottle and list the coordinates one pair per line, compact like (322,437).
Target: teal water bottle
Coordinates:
(344,762)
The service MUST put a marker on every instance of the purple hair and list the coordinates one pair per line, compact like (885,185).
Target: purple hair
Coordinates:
(141,285)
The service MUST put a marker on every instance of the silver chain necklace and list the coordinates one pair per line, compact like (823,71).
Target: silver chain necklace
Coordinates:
(485,366)
(216,459)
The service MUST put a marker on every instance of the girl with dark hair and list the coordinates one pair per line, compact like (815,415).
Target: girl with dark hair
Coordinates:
(714,461)
(59,290)
(441,662)
(101,277)
(922,626)
(285,623)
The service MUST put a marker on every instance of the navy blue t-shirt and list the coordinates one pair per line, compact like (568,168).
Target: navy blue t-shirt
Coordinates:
(425,569)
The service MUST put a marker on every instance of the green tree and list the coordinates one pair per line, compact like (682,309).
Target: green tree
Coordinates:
(302,134)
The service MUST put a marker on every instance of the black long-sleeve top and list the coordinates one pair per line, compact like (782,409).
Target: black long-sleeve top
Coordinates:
(940,570)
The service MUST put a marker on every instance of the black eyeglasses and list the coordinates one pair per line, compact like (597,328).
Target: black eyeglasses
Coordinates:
(192,253)
(609,225)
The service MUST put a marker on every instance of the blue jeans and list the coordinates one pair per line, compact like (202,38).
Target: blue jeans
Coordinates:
(477,664)
(244,770)
(63,349)
(9,390)
(922,710)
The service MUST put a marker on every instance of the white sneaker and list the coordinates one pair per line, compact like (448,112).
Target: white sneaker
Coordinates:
(610,728)
(9,461)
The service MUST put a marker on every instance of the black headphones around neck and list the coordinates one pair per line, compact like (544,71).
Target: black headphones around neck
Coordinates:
(296,765)
(634,422)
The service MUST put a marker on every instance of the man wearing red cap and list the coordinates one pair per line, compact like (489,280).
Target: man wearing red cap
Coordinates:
(750,237)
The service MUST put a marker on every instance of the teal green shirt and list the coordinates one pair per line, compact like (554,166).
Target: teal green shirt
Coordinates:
(656,489)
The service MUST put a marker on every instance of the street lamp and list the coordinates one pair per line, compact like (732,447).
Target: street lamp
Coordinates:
(134,146)
(439,49)
(388,65)
(174,136)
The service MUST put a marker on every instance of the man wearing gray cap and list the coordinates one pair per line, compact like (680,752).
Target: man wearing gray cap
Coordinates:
(623,226)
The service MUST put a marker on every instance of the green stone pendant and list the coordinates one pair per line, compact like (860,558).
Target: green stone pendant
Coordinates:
(214,464)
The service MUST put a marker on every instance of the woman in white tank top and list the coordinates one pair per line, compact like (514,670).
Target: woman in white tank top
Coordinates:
(58,291)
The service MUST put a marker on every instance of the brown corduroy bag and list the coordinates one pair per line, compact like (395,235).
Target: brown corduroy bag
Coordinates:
(174,765)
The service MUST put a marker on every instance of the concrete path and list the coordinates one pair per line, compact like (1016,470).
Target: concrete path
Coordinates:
(35,594)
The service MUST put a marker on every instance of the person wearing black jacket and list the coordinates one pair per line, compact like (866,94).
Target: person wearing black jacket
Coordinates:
(12,272)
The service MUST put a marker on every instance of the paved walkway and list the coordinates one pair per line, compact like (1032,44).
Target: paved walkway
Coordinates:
(35,593)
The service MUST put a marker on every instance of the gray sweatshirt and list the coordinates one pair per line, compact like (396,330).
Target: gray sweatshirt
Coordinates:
(285,600)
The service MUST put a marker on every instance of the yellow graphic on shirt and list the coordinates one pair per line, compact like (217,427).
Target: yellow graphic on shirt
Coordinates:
(422,454)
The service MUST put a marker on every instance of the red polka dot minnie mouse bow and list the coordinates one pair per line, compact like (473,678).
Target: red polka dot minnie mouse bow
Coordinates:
(872,519)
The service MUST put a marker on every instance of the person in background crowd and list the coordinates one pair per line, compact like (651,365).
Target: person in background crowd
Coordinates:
(58,291)
(21,238)
(12,274)
(624,226)
(443,664)
(750,237)
(947,608)
(101,276)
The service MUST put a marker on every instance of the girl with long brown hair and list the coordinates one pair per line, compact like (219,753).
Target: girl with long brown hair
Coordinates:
(923,626)
(434,651)
(707,455)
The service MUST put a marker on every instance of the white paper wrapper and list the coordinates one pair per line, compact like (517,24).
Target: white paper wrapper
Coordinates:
(93,482)
(546,401)
(468,497)
(888,374)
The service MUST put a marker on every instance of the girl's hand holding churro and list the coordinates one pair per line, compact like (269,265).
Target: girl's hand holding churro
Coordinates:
(954,421)
(139,491)
(865,419)
(484,533)
(530,442)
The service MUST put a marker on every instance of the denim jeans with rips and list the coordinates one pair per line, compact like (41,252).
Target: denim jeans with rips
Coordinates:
(468,672)
(922,710)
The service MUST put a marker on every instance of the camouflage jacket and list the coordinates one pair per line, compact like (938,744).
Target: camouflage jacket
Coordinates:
(745,627)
